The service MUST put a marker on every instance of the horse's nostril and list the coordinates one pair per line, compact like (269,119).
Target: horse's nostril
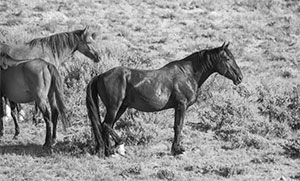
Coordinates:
(240,78)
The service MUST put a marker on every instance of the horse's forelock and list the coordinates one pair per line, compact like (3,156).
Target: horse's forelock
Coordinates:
(81,34)
(228,52)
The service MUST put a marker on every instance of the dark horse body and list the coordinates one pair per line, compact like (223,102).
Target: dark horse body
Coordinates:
(173,86)
(54,49)
(34,81)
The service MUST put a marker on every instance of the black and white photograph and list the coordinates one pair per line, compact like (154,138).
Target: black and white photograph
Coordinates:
(176,90)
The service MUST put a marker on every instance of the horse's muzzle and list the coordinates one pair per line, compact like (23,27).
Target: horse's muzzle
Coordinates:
(238,80)
(97,59)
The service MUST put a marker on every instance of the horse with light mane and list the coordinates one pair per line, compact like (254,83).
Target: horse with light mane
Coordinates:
(28,80)
(55,49)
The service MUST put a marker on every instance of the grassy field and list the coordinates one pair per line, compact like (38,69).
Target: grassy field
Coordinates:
(245,132)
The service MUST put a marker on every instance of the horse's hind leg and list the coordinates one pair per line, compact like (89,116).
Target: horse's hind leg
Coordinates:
(108,124)
(36,115)
(14,112)
(43,107)
(114,135)
(108,121)
(54,113)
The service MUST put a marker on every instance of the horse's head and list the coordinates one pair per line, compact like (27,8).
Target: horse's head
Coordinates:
(87,45)
(227,66)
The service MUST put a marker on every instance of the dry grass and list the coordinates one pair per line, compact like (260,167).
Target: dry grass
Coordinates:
(248,132)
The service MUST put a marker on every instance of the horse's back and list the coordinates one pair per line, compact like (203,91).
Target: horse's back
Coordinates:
(24,51)
(131,76)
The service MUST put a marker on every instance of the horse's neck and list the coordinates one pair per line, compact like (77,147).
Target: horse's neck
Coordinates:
(200,69)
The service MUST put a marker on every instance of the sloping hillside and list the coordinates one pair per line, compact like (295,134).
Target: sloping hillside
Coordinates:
(245,132)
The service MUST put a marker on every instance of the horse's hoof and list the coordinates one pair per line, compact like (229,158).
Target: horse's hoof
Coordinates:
(121,149)
(116,156)
(109,152)
(47,146)
(177,150)
(100,154)
(53,142)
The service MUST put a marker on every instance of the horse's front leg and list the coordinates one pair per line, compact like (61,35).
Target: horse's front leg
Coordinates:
(14,114)
(178,124)
(1,108)
(1,113)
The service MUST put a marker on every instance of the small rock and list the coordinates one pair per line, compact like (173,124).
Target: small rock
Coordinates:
(165,174)
(189,168)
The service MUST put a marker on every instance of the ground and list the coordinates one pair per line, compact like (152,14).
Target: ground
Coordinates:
(245,132)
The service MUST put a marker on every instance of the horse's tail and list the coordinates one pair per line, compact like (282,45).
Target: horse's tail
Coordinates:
(57,84)
(92,104)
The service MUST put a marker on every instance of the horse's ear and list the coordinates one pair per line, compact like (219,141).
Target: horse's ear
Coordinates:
(226,46)
(85,30)
(223,45)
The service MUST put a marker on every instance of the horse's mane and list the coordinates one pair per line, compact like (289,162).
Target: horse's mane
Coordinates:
(57,43)
(206,57)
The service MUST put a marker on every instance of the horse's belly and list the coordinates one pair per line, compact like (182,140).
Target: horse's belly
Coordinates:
(149,104)
(149,98)
(19,96)
(15,88)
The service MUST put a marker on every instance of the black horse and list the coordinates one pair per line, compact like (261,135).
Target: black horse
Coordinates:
(174,85)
